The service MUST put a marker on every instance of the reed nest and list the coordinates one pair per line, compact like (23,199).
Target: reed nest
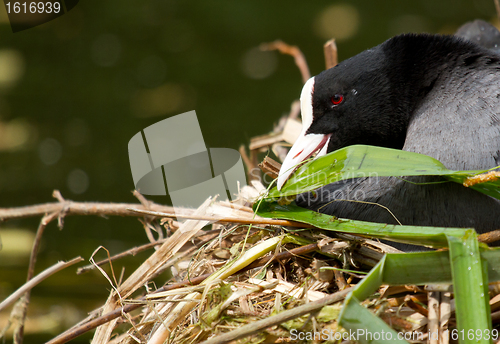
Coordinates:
(292,292)
(232,275)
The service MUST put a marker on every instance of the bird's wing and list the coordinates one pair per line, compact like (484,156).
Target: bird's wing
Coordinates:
(459,121)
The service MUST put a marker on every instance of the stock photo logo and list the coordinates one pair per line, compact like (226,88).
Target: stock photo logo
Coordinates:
(171,157)
(25,15)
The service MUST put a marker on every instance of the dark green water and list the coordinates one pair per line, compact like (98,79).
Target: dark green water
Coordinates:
(75,90)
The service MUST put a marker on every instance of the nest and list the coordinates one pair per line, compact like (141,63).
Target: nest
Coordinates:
(237,277)
(200,306)
(291,291)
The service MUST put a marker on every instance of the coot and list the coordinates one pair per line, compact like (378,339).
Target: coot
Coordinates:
(431,94)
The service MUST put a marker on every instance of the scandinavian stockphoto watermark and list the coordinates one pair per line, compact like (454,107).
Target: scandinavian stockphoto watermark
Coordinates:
(352,188)
(369,336)
(171,157)
(353,335)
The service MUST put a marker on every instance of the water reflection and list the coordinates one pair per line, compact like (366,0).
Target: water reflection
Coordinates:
(258,64)
(77,181)
(12,67)
(49,151)
(105,50)
(340,21)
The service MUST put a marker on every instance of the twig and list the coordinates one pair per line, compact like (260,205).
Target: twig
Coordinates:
(133,251)
(230,205)
(93,208)
(130,252)
(330,50)
(282,317)
(283,255)
(146,223)
(60,220)
(270,167)
(92,324)
(248,163)
(339,277)
(294,110)
(141,199)
(19,330)
(36,280)
(74,332)
(36,244)
(433,308)
(255,221)
(292,50)
(180,256)
(79,208)
(143,274)
(489,237)
(412,302)
(497,6)
(444,317)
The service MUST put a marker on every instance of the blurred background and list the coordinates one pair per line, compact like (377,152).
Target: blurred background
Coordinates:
(75,90)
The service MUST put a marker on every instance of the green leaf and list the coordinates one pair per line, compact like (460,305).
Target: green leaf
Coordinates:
(369,161)
(365,327)
(417,235)
(464,264)
(470,285)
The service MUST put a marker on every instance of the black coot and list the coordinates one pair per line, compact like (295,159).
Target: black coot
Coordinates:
(430,94)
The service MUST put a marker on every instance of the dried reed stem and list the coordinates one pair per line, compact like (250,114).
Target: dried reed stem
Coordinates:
(292,50)
(282,317)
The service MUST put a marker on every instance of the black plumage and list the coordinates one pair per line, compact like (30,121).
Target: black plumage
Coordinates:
(431,94)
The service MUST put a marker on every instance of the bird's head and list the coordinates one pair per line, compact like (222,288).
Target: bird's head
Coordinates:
(353,103)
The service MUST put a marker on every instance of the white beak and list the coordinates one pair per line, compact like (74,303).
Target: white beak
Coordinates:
(307,144)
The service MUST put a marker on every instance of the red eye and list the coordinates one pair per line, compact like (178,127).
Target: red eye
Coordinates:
(337,99)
